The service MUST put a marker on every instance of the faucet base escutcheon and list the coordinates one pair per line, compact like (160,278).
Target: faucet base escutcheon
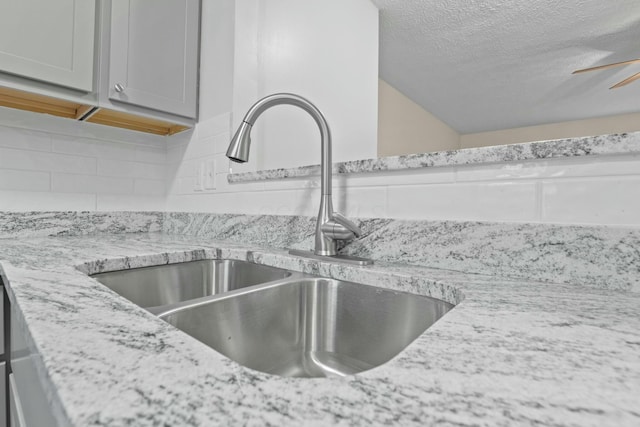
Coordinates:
(345,259)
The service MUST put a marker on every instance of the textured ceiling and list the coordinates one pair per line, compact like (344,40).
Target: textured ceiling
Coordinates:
(484,65)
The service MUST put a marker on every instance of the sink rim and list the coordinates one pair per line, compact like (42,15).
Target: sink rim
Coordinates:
(198,302)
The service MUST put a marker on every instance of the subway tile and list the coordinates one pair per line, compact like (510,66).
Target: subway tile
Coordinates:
(109,149)
(552,168)
(476,202)
(125,169)
(220,142)
(613,200)
(150,187)
(214,126)
(198,149)
(92,148)
(137,202)
(188,168)
(407,177)
(360,202)
(288,202)
(41,161)
(501,171)
(24,180)
(593,166)
(157,155)
(175,154)
(46,201)
(72,183)
(211,202)
(185,185)
(293,202)
(24,139)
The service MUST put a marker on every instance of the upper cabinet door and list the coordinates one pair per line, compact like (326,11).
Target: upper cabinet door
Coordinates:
(46,40)
(153,59)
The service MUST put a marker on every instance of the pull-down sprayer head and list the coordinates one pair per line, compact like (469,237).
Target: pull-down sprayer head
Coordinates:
(238,150)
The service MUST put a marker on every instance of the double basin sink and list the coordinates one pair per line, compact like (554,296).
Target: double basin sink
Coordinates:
(279,321)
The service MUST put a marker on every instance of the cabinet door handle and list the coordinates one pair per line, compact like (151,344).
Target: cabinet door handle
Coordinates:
(119,88)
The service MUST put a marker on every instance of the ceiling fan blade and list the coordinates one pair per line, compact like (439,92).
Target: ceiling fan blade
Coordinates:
(626,81)
(602,67)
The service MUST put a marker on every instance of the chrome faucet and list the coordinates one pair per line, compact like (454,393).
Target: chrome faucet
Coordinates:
(331,226)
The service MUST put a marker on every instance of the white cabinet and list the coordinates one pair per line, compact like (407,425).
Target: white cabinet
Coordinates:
(50,41)
(153,54)
(125,63)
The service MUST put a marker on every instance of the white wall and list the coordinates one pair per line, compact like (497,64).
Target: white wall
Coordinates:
(50,163)
(324,50)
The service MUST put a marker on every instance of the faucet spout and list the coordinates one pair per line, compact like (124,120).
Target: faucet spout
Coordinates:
(239,148)
(331,226)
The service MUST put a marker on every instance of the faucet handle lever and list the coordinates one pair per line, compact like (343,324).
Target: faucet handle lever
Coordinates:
(346,222)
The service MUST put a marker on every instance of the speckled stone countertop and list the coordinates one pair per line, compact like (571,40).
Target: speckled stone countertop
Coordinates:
(511,352)
(625,143)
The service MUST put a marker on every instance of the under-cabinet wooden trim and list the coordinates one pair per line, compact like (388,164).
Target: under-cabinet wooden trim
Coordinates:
(36,103)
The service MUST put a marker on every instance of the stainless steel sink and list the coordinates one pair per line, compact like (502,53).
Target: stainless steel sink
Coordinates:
(309,327)
(170,284)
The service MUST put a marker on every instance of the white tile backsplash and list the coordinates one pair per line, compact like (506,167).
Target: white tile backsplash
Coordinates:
(25,139)
(121,168)
(360,202)
(411,176)
(89,169)
(46,201)
(553,168)
(42,161)
(24,180)
(150,186)
(215,126)
(494,201)
(510,192)
(91,148)
(72,183)
(49,163)
(607,200)
(221,142)
(121,202)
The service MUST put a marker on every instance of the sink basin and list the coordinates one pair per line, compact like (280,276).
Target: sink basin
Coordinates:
(309,327)
(169,284)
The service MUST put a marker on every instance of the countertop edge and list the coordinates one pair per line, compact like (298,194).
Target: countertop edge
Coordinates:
(612,144)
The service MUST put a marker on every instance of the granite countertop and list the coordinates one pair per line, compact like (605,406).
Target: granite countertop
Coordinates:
(625,143)
(511,352)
